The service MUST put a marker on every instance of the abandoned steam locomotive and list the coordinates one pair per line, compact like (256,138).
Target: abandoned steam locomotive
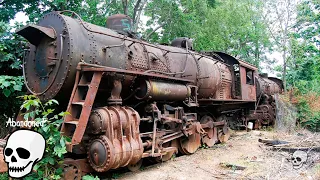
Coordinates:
(129,99)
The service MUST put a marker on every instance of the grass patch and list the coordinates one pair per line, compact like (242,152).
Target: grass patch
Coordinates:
(4,176)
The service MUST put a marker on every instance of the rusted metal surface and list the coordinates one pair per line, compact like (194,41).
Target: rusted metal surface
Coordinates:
(121,144)
(83,42)
(211,136)
(271,86)
(79,107)
(247,65)
(190,144)
(265,112)
(29,31)
(157,90)
(115,98)
(169,152)
(119,22)
(3,164)
(182,42)
(75,168)
(130,99)
(135,167)
(248,89)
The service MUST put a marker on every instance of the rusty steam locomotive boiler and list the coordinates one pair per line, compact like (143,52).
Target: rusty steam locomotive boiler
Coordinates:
(129,99)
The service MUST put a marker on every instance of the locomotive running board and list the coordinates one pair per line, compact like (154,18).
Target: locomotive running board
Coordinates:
(82,98)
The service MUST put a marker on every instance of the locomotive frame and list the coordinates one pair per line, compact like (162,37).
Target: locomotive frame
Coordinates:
(185,98)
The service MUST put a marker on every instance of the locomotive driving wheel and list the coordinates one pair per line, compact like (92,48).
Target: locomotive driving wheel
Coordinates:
(189,145)
(169,154)
(210,138)
(223,133)
(72,170)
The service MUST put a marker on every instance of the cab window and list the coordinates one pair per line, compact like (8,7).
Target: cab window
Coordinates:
(249,76)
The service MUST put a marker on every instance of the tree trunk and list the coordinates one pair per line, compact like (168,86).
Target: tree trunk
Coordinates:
(284,69)
(154,30)
(125,6)
(137,13)
(136,7)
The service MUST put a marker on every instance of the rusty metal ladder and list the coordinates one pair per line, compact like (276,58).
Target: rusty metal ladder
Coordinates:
(81,101)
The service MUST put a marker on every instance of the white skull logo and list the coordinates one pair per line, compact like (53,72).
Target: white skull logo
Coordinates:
(23,150)
(298,159)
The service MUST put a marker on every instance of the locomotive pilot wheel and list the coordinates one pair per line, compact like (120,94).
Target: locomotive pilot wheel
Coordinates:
(135,167)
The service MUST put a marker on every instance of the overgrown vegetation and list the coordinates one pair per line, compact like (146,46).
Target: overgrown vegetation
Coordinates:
(304,64)
(4,176)
(50,167)
(90,177)
(309,110)
(10,88)
(11,81)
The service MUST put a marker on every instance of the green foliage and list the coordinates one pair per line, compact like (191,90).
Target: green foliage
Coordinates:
(55,143)
(9,8)
(178,18)
(11,82)
(90,177)
(236,27)
(309,118)
(11,50)
(116,175)
(4,176)
(93,11)
(304,63)
(10,88)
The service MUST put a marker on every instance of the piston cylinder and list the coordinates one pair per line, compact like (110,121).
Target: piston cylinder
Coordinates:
(120,143)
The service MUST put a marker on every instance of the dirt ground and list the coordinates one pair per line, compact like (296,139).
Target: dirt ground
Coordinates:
(243,149)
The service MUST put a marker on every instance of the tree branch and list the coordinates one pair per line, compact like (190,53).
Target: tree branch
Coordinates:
(3,2)
(54,7)
(137,18)
(135,9)
(154,30)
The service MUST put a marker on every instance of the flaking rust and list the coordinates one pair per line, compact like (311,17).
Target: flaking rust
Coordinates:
(129,99)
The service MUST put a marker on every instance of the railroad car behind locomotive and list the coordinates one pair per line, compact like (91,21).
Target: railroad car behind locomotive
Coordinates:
(130,100)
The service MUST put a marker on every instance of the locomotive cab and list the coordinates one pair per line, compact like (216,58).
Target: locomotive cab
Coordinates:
(243,81)
(248,89)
